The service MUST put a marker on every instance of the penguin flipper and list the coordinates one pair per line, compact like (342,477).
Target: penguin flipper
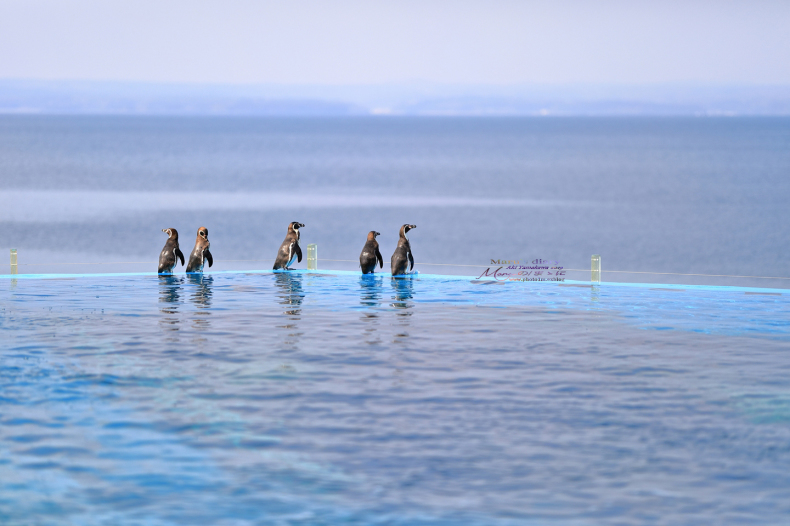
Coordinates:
(381,259)
(411,261)
(298,252)
(208,257)
(180,255)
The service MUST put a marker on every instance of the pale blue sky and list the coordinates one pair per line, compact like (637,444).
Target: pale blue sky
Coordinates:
(364,42)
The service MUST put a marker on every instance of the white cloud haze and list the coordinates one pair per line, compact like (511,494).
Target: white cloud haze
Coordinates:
(366,42)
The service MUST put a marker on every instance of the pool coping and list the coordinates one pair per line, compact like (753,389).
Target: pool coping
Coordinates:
(443,277)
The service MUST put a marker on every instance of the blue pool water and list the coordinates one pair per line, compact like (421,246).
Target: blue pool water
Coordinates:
(330,398)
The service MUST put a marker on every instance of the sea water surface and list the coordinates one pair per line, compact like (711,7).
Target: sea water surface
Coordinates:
(265,398)
(676,195)
(258,398)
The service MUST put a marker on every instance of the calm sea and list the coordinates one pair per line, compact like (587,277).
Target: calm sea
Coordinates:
(327,398)
(679,195)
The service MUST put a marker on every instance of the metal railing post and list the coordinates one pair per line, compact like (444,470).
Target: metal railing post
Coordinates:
(596,268)
(312,257)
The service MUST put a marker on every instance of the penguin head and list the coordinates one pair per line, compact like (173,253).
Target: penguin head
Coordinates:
(406,228)
(372,235)
(203,232)
(295,226)
(172,233)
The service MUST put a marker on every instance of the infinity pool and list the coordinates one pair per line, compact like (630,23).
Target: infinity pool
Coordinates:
(328,398)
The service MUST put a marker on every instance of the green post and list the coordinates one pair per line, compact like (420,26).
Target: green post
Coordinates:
(596,268)
(312,257)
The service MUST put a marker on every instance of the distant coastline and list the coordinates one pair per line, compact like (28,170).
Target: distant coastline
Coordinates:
(50,97)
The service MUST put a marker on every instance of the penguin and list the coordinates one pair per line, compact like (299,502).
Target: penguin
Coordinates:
(168,258)
(402,255)
(200,252)
(370,254)
(290,250)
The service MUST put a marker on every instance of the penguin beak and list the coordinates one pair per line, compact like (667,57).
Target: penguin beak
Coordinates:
(378,233)
(301,225)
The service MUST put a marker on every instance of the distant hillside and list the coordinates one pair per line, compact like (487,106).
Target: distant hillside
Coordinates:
(121,98)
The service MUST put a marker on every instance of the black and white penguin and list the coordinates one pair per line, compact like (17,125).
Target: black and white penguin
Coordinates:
(200,253)
(402,257)
(290,250)
(370,254)
(170,253)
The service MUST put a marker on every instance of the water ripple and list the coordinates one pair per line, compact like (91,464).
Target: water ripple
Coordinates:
(339,401)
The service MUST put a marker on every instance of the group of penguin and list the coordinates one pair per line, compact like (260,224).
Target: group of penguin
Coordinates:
(289,252)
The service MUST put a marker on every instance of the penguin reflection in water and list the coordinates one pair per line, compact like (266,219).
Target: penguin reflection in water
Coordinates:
(170,253)
(290,294)
(200,254)
(199,285)
(402,257)
(290,250)
(170,299)
(371,254)
(404,292)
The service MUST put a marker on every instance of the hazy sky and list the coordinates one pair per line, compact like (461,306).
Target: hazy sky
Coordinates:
(374,41)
